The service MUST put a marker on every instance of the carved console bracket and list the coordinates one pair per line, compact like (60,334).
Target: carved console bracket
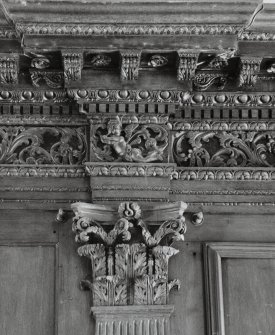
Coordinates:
(187,64)
(250,68)
(72,65)
(130,60)
(129,281)
(9,69)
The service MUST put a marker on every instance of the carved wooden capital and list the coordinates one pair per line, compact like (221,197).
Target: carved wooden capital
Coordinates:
(9,69)
(187,64)
(250,67)
(129,262)
(130,60)
(72,64)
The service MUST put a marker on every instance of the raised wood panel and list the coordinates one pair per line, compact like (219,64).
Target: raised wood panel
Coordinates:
(189,316)
(249,296)
(27,289)
(29,226)
(240,280)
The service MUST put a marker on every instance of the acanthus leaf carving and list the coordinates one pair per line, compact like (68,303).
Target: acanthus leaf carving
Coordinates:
(214,148)
(250,67)
(202,81)
(132,271)
(72,64)
(131,143)
(9,69)
(130,61)
(187,64)
(20,145)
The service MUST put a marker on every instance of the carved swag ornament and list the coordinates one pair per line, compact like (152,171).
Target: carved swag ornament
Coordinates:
(129,264)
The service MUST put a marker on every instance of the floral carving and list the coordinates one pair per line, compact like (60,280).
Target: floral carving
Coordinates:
(129,65)
(72,63)
(52,79)
(101,61)
(157,61)
(220,148)
(129,262)
(40,63)
(20,145)
(131,143)
(250,68)
(202,81)
(187,64)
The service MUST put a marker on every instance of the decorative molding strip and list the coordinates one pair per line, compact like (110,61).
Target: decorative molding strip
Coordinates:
(130,170)
(130,187)
(224,174)
(8,33)
(255,36)
(31,95)
(8,170)
(130,119)
(43,120)
(221,192)
(222,126)
(44,189)
(182,98)
(125,30)
(138,199)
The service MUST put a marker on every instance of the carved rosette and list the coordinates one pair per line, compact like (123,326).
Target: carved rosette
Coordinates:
(129,264)
(9,69)
(187,64)
(250,68)
(129,68)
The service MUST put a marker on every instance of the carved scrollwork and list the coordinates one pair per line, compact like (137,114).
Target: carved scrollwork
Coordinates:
(127,268)
(53,79)
(202,81)
(20,145)
(130,143)
(101,61)
(40,63)
(220,148)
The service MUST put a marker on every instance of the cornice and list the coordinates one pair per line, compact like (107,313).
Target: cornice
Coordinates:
(223,125)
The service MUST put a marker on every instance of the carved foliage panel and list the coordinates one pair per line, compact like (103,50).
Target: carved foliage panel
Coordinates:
(217,148)
(42,145)
(119,141)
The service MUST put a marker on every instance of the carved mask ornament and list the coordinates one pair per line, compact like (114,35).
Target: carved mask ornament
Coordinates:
(129,283)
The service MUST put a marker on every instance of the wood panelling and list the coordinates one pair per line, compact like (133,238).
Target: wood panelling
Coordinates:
(27,289)
(240,280)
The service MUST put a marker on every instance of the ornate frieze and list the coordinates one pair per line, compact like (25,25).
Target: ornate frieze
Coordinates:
(187,64)
(72,64)
(129,67)
(221,148)
(250,67)
(134,142)
(129,263)
(9,69)
(42,145)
